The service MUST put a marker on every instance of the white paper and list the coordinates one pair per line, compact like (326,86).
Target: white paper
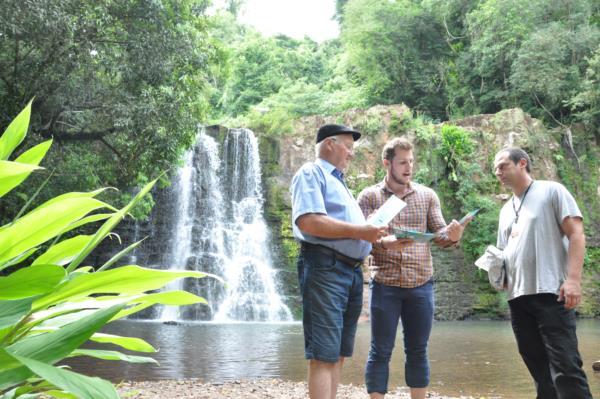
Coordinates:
(492,257)
(386,212)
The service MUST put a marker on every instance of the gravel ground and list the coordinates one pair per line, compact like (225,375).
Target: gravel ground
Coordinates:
(256,389)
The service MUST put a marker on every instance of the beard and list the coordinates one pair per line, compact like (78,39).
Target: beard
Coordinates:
(398,180)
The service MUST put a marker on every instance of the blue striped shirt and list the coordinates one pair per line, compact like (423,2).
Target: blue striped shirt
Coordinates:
(315,189)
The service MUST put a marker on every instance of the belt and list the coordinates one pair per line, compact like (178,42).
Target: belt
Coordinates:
(353,262)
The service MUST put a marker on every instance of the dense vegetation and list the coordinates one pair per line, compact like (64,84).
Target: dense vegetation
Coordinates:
(122,85)
(51,304)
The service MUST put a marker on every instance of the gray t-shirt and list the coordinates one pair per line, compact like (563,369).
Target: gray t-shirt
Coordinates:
(535,249)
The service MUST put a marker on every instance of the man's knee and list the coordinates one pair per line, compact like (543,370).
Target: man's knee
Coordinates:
(316,365)
(381,353)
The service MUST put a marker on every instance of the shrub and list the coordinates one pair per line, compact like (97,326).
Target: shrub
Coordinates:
(51,305)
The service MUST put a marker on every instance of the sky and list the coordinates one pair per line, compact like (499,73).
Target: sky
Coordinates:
(294,18)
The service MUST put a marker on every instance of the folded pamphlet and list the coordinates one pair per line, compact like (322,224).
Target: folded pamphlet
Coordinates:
(386,212)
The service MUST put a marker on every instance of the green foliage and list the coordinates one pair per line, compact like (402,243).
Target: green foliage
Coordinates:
(586,103)
(120,86)
(369,125)
(550,64)
(397,51)
(455,147)
(519,50)
(490,304)
(50,306)
(581,178)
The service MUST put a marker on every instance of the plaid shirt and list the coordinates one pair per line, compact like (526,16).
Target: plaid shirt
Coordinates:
(412,266)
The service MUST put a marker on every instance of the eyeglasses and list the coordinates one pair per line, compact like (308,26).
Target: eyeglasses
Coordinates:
(349,147)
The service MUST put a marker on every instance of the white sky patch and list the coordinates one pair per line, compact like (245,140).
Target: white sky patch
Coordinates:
(294,18)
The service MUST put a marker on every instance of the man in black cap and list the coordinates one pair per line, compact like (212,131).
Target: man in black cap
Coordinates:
(335,239)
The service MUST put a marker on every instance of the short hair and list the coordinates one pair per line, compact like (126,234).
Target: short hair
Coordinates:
(515,154)
(320,144)
(389,149)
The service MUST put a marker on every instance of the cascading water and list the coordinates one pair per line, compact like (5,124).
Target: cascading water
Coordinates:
(182,233)
(218,227)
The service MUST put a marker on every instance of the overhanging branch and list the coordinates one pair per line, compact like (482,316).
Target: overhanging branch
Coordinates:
(83,136)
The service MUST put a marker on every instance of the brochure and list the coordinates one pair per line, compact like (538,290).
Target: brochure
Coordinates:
(413,235)
(386,212)
(467,216)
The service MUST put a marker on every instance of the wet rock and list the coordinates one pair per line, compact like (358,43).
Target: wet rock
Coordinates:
(596,366)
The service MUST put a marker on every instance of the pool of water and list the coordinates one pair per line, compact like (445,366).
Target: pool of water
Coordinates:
(477,358)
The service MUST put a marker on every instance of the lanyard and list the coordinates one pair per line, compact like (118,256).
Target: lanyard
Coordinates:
(517,211)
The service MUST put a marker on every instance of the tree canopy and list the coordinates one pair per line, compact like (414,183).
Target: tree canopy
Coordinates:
(120,85)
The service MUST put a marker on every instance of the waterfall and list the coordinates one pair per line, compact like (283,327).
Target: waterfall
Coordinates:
(182,234)
(218,227)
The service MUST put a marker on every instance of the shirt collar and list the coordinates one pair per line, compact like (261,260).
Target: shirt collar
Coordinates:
(411,188)
(326,166)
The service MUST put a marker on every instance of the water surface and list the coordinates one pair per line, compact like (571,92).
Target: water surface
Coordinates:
(476,358)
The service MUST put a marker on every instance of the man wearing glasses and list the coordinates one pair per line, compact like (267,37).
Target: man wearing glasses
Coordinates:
(334,239)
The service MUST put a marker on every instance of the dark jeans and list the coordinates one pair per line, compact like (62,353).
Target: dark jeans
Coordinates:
(545,333)
(414,306)
(331,302)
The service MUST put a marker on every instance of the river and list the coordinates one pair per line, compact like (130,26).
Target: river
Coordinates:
(475,358)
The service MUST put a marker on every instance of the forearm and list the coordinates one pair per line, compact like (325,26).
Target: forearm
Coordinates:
(575,256)
(324,226)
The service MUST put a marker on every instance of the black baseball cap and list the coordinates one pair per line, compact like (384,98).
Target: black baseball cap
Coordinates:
(333,130)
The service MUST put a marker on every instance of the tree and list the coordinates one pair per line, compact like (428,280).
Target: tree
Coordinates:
(397,51)
(122,84)
(550,65)
(498,30)
(586,103)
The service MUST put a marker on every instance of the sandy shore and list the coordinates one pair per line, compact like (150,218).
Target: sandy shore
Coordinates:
(255,389)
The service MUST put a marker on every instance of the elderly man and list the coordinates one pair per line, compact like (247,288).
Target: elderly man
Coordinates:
(541,233)
(334,240)
(402,271)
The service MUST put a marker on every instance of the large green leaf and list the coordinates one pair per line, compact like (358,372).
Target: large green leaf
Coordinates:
(173,298)
(68,312)
(53,393)
(123,280)
(43,224)
(18,259)
(119,255)
(74,194)
(63,252)
(31,157)
(51,347)
(15,132)
(11,370)
(88,219)
(80,385)
(35,154)
(112,355)
(130,343)
(13,311)
(21,393)
(30,281)
(12,174)
(109,225)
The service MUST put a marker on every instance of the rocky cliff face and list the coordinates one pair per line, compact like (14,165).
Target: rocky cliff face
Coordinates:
(461,290)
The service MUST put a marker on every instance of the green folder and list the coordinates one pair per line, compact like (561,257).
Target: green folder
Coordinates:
(468,215)
(413,235)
